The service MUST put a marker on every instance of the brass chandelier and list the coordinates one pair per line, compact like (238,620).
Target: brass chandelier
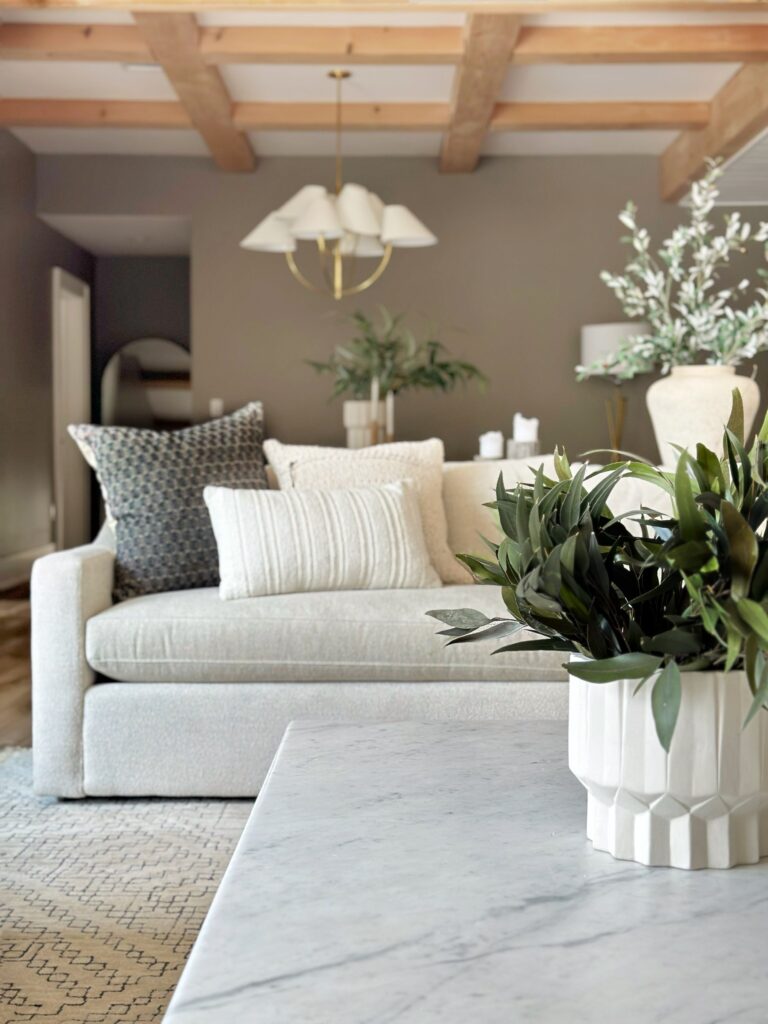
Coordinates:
(345,225)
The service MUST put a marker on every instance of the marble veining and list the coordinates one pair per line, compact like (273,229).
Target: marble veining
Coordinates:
(422,873)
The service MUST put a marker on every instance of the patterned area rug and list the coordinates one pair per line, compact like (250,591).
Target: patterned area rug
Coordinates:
(101,900)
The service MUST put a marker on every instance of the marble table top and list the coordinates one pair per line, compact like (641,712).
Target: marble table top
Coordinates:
(423,873)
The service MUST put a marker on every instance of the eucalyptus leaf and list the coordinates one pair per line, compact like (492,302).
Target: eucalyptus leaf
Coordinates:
(665,702)
(461,618)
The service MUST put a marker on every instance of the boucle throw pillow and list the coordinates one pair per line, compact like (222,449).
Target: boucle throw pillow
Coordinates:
(308,466)
(152,483)
(295,541)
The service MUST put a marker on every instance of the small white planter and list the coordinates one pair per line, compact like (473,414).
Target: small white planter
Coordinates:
(356,416)
(703,805)
(692,405)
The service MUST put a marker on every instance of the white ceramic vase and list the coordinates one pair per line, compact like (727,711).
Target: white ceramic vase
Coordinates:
(356,415)
(703,805)
(692,404)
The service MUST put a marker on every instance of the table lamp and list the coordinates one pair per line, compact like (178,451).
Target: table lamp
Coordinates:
(598,342)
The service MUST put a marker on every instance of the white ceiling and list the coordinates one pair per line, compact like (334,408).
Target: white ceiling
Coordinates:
(406,83)
(114,235)
(746,176)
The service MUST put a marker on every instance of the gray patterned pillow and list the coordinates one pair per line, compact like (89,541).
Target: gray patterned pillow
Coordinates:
(152,483)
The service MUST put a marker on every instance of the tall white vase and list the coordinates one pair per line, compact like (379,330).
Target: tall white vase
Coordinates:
(703,805)
(357,422)
(692,404)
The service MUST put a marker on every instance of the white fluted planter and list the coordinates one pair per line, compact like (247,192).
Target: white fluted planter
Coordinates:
(692,404)
(703,805)
(356,415)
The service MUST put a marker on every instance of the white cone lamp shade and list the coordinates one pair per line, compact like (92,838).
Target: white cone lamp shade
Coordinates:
(362,246)
(403,230)
(358,214)
(297,204)
(320,219)
(601,341)
(271,235)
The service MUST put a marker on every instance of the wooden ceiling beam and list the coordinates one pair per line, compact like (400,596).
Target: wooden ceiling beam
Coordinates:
(738,113)
(454,6)
(173,41)
(489,40)
(536,44)
(646,44)
(357,116)
(306,44)
(616,116)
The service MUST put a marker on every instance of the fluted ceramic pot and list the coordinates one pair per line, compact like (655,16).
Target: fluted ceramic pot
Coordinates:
(692,404)
(703,805)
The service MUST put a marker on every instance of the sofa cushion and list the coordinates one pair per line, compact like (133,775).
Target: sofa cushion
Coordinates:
(152,483)
(293,542)
(467,486)
(311,467)
(194,636)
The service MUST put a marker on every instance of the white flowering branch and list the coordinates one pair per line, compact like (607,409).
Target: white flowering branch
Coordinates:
(676,293)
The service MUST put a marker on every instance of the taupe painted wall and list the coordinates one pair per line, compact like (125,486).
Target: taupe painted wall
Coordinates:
(138,297)
(514,277)
(28,251)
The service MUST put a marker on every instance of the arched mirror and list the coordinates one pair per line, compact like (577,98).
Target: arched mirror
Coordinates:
(147,384)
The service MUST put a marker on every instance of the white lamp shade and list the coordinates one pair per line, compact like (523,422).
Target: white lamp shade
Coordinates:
(319,220)
(271,235)
(599,341)
(361,245)
(297,204)
(401,229)
(357,212)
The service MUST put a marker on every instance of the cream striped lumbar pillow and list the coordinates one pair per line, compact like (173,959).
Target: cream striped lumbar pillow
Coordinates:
(285,542)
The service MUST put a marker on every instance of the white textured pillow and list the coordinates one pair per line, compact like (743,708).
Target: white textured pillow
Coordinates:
(286,542)
(310,466)
(467,486)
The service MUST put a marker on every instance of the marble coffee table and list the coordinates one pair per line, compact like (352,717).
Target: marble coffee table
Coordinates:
(408,873)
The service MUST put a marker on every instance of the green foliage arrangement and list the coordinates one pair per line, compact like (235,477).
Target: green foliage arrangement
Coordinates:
(389,350)
(693,316)
(677,593)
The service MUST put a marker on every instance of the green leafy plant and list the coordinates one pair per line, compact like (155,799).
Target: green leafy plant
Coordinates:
(679,592)
(390,352)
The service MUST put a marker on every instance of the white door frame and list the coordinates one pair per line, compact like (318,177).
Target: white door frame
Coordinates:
(71,480)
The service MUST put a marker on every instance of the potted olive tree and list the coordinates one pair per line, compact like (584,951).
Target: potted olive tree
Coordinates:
(698,328)
(383,360)
(665,619)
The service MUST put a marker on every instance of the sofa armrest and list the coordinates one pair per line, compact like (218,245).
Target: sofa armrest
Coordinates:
(68,587)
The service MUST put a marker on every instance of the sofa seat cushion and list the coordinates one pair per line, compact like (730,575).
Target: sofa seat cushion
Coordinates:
(362,636)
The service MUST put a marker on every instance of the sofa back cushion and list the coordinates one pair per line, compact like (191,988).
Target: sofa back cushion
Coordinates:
(467,486)
(296,541)
(152,483)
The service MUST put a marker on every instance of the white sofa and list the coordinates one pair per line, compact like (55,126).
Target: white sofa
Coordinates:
(183,694)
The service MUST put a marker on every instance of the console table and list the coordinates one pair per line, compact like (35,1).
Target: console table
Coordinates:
(439,874)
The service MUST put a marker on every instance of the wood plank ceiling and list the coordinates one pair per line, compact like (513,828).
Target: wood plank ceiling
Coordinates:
(191,55)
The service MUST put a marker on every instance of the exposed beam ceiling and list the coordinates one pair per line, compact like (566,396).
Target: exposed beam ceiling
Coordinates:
(536,44)
(357,116)
(468,6)
(739,112)
(489,40)
(173,41)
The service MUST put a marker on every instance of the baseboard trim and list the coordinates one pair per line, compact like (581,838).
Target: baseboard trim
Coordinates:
(16,569)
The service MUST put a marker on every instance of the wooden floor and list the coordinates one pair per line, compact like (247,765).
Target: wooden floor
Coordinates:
(15,684)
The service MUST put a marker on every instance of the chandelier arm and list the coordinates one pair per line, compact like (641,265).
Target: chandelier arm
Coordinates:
(300,277)
(374,277)
(323,251)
